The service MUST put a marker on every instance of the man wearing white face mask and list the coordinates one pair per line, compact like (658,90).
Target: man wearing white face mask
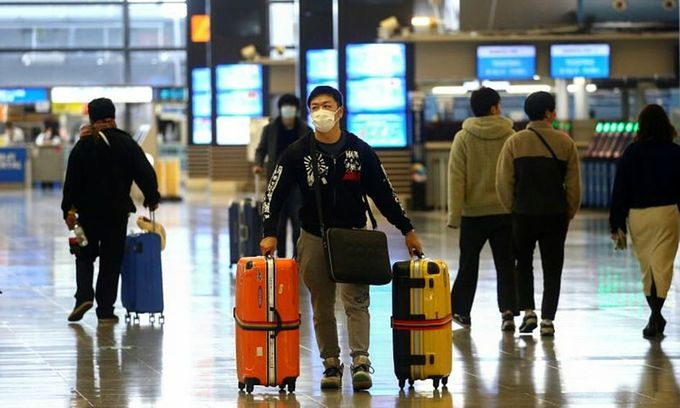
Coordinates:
(276,137)
(348,168)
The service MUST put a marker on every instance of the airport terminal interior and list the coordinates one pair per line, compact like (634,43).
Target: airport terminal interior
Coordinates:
(194,82)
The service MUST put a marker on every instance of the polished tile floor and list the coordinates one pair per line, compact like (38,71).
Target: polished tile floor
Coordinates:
(598,357)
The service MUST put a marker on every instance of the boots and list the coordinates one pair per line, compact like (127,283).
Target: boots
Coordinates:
(656,323)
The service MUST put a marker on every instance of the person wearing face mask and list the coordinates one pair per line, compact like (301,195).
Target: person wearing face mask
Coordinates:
(348,168)
(538,179)
(276,137)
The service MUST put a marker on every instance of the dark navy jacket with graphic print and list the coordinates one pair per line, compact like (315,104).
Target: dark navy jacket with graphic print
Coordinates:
(357,169)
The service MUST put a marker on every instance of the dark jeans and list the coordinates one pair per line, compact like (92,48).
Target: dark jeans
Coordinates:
(474,232)
(106,240)
(550,231)
(290,210)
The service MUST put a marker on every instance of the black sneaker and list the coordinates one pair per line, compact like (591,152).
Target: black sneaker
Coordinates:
(529,323)
(508,324)
(79,310)
(464,321)
(112,318)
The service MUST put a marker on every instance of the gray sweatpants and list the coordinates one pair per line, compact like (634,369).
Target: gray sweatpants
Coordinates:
(355,298)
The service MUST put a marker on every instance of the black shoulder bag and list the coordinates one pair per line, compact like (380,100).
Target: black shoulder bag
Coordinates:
(356,256)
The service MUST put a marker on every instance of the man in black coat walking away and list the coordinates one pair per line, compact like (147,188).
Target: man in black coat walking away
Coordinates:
(96,197)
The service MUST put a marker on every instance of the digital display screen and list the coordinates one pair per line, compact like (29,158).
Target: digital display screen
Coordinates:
(233,130)
(21,96)
(239,103)
(376,94)
(506,62)
(379,129)
(238,77)
(322,66)
(579,60)
(376,60)
(202,131)
(200,80)
(202,105)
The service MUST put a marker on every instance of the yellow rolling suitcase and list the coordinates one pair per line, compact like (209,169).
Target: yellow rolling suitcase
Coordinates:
(421,321)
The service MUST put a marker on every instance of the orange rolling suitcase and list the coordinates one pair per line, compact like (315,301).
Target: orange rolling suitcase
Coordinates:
(267,315)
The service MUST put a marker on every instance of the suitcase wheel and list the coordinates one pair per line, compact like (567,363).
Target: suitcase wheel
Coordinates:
(250,386)
(291,386)
(241,386)
(435,383)
(411,381)
(161,319)
(136,318)
(445,380)
(402,383)
(127,317)
(152,318)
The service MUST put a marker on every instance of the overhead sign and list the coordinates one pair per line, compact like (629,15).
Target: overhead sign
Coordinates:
(579,60)
(506,62)
(117,94)
(23,96)
(200,28)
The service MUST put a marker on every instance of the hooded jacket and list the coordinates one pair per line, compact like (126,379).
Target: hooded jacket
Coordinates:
(344,180)
(99,176)
(472,168)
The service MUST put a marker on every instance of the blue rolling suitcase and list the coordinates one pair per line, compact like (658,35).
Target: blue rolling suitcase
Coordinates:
(142,277)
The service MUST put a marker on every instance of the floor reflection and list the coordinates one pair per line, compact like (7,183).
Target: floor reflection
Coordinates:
(597,358)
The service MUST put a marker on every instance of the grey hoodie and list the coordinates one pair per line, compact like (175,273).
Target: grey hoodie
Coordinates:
(472,168)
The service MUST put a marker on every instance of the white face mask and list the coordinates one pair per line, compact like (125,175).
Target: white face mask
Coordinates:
(288,111)
(323,120)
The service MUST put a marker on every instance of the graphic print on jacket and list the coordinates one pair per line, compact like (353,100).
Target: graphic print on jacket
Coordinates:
(344,179)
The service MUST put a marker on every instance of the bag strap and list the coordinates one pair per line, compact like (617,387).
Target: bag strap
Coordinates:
(317,184)
(545,143)
(317,188)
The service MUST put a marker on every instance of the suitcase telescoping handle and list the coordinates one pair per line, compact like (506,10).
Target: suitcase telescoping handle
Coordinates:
(152,217)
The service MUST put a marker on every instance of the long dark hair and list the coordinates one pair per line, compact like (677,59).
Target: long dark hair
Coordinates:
(655,125)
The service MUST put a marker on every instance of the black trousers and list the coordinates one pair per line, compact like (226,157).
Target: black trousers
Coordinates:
(550,231)
(474,232)
(290,210)
(106,240)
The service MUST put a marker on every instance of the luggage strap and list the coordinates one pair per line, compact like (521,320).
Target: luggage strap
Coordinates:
(275,327)
(412,283)
(412,359)
(432,324)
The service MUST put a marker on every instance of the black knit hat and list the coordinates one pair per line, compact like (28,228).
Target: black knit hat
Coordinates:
(100,109)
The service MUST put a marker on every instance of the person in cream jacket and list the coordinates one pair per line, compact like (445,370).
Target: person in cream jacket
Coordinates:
(475,208)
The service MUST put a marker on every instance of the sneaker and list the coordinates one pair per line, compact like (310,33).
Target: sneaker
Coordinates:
(79,310)
(361,373)
(547,329)
(112,318)
(508,324)
(464,321)
(332,375)
(529,323)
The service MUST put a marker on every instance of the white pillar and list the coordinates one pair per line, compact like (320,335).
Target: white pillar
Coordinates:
(562,99)
(581,104)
